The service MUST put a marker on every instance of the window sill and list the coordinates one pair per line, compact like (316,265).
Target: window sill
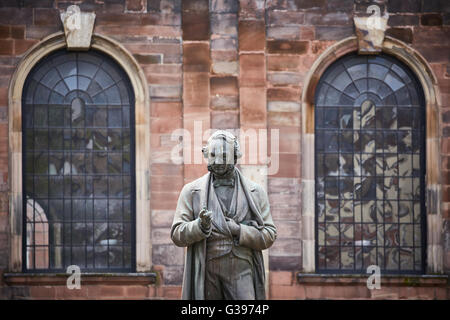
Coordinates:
(41,279)
(361,279)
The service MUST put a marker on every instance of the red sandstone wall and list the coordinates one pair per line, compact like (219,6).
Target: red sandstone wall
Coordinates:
(230,64)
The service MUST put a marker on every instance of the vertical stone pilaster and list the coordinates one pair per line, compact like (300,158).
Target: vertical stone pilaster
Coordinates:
(286,45)
(252,97)
(224,65)
(196,84)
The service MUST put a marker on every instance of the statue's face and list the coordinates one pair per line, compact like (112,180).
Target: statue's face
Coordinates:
(220,157)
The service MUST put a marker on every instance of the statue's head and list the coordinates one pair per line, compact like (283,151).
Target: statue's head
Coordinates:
(222,152)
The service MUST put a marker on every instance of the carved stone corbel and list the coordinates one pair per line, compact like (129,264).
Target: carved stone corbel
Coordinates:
(370,30)
(78,27)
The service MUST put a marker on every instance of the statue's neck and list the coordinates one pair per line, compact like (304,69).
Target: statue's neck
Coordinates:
(227,175)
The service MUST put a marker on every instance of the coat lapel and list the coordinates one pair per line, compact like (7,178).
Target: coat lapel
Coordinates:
(200,195)
(241,199)
(247,191)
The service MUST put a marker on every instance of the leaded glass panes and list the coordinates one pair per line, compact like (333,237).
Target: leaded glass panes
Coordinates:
(78,155)
(369,160)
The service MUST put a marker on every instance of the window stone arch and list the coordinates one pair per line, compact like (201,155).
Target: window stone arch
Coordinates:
(369,160)
(139,85)
(418,65)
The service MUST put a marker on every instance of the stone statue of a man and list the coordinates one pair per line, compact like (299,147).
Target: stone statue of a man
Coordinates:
(224,219)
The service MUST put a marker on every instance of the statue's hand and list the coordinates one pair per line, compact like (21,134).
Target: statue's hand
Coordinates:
(205,218)
(234,227)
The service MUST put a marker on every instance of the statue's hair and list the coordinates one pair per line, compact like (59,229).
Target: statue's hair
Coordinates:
(228,137)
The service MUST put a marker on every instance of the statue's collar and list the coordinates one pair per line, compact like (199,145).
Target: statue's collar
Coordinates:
(227,180)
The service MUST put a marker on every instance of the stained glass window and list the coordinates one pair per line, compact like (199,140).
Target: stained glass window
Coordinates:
(78,164)
(369,167)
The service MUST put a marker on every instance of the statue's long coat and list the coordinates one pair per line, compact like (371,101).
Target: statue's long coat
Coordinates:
(186,231)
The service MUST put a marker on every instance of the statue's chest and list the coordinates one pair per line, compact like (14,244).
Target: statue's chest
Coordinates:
(225,197)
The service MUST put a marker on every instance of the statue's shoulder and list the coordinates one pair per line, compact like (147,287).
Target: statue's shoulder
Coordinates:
(197,184)
(252,185)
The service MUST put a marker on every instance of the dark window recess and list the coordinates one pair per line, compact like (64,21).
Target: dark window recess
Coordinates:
(78,165)
(369,167)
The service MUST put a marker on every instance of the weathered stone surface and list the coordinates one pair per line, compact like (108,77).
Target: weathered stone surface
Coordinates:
(196,89)
(195,26)
(224,24)
(16,16)
(404,5)
(224,120)
(39,32)
(328,19)
(225,67)
(283,106)
(252,70)
(224,55)
(162,218)
(226,86)
(224,44)
(403,34)
(434,36)
(284,185)
(148,58)
(161,236)
(78,27)
(17,32)
(297,4)
(290,33)
(224,102)
(446,19)
(251,9)
(6,47)
(286,247)
(403,20)
(196,57)
(333,33)
(251,35)
(285,18)
(173,275)
(340,5)
(285,78)
(159,91)
(224,6)
(431,19)
(5,32)
(370,32)
(253,106)
(168,255)
(436,6)
(22,45)
(288,47)
(284,94)
(283,62)
(287,119)
(135,5)
(195,20)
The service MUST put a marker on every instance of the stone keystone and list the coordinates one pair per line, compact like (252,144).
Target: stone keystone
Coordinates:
(370,30)
(78,27)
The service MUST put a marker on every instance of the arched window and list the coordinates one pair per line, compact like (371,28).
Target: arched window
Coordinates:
(369,167)
(78,164)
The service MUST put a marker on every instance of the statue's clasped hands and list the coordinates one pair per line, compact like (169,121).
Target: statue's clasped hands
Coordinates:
(205,218)
(205,222)
(234,227)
